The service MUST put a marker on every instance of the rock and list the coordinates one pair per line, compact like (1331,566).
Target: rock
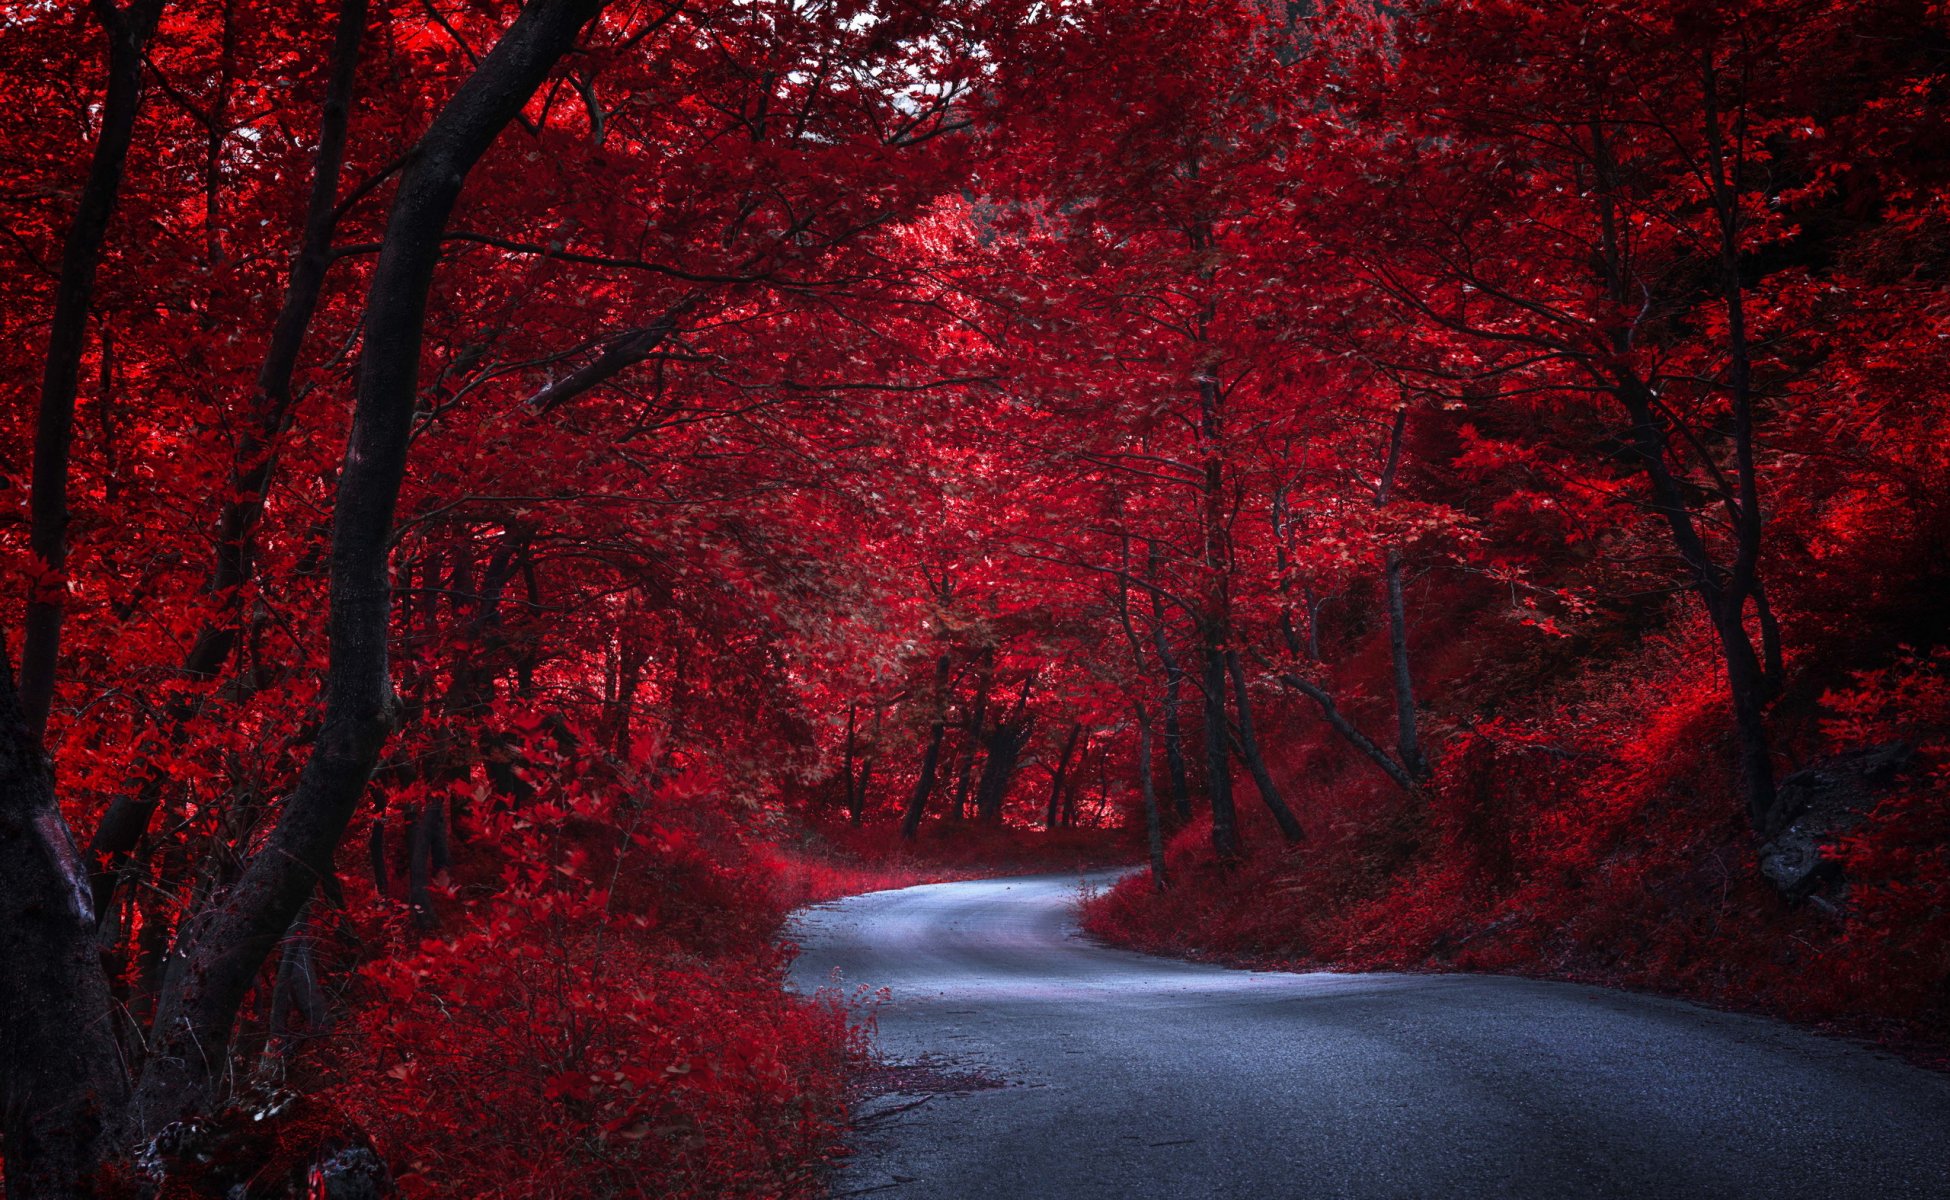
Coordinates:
(266,1144)
(1816,804)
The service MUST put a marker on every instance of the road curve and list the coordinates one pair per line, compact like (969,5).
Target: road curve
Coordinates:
(1131,1076)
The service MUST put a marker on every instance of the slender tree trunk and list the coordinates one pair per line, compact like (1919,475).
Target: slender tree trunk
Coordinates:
(852,796)
(382,882)
(1290,827)
(1752,681)
(972,740)
(223,947)
(1154,834)
(1748,677)
(129,31)
(917,803)
(128,815)
(1218,759)
(1408,737)
(1179,775)
(1749,691)
(421,820)
(1070,787)
(1056,778)
(866,768)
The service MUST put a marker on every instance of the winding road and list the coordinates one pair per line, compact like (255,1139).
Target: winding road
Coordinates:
(1041,1065)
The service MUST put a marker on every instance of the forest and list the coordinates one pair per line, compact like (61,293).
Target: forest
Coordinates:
(504,501)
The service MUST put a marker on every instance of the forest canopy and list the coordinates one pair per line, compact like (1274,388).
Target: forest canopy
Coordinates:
(505,500)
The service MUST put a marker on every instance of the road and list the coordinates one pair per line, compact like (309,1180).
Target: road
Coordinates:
(1045,1066)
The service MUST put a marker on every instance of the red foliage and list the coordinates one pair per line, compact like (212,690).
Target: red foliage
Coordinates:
(1442,469)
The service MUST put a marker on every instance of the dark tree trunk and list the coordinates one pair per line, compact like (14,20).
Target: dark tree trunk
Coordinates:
(972,740)
(63,1078)
(129,814)
(866,768)
(998,770)
(1181,788)
(1753,679)
(129,31)
(1062,768)
(271,404)
(223,947)
(421,820)
(1218,765)
(376,854)
(619,353)
(1341,725)
(1069,818)
(295,990)
(852,794)
(1154,834)
(1408,736)
(918,802)
(1290,827)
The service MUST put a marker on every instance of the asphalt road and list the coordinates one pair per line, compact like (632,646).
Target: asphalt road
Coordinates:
(1123,1075)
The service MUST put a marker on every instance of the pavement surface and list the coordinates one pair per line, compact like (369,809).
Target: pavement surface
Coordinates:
(1034,1063)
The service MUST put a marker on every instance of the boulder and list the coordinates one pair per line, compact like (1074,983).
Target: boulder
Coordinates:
(1817,804)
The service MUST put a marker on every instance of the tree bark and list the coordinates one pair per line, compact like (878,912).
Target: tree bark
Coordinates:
(619,353)
(64,1086)
(917,803)
(1290,827)
(1181,788)
(998,770)
(1218,759)
(1341,725)
(1752,679)
(866,768)
(129,31)
(224,946)
(972,740)
(1408,736)
(1056,778)
(128,815)
(852,795)
(1154,834)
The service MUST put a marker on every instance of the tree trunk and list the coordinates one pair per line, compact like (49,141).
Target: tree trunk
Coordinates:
(1748,677)
(917,803)
(1069,818)
(1154,833)
(1218,764)
(128,815)
(1408,737)
(128,31)
(63,1078)
(1056,778)
(846,766)
(866,769)
(223,947)
(1724,591)
(1181,788)
(1341,725)
(1290,827)
(998,770)
(420,822)
(972,740)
